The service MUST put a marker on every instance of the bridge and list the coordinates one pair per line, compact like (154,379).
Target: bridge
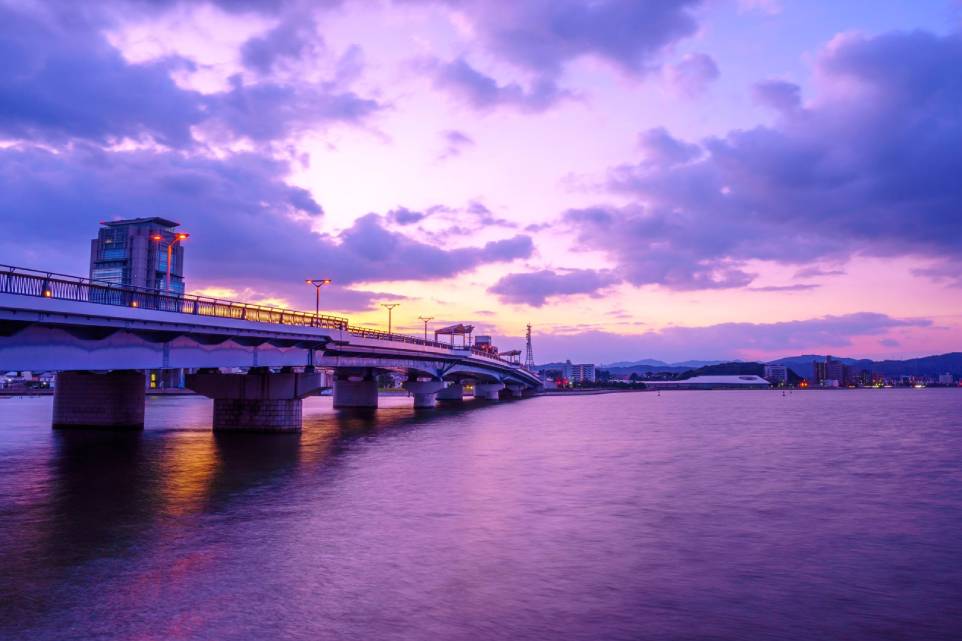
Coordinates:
(101,337)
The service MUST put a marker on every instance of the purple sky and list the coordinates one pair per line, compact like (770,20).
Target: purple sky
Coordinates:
(670,179)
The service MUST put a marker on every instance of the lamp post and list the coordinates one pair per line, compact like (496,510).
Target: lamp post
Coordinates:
(390,308)
(317,283)
(425,319)
(178,237)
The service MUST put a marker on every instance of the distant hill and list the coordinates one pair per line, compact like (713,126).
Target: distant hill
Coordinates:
(651,362)
(924,366)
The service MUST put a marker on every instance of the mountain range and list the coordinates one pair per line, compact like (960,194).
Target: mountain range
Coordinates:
(802,365)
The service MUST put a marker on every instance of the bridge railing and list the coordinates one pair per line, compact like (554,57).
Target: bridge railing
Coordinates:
(30,282)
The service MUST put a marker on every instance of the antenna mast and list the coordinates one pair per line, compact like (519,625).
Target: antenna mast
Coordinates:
(529,353)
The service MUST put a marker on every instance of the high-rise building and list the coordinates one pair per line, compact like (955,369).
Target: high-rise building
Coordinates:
(579,372)
(135,252)
(834,373)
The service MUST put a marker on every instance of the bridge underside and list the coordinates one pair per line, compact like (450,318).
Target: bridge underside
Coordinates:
(101,366)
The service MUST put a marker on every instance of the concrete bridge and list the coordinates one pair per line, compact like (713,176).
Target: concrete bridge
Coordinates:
(101,337)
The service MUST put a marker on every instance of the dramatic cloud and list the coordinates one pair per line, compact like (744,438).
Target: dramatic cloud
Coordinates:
(249,229)
(543,35)
(870,167)
(535,288)
(724,340)
(62,81)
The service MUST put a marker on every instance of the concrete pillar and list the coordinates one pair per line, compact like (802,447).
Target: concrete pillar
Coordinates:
(110,401)
(274,415)
(453,393)
(425,392)
(487,391)
(355,393)
(511,392)
(259,401)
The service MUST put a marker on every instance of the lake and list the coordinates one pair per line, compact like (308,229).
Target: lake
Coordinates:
(685,515)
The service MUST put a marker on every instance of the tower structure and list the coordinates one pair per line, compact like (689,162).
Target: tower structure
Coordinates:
(136,252)
(529,353)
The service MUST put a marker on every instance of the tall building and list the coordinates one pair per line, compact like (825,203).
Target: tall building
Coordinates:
(135,251)
(834,373)
(579,372)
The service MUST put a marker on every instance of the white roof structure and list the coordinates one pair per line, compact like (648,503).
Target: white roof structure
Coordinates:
(746,381)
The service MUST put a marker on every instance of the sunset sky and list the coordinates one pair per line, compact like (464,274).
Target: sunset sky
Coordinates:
(666,179)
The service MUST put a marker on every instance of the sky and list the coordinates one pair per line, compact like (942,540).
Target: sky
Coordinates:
(670,179)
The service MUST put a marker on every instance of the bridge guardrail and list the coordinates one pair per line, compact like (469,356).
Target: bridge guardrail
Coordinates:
(31,282)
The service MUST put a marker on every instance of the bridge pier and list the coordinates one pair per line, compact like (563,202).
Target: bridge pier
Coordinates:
(358,393)
(108,401)
(511,391)
(259,401)
(425,392)
(453,393)
(488,391)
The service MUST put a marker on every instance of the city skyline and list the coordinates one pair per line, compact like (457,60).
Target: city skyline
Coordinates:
(671,195)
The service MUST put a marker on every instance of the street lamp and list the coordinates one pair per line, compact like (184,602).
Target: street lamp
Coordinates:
(178,237)
(425,319)
(390,308)
(318,283)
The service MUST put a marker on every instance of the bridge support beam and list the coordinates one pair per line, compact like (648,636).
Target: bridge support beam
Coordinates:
(108,401)
(453,393)
(425,392)
(258,401)
(358,393)
(488,391)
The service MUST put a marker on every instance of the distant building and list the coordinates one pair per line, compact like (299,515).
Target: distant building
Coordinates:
(134,252)
(776,374)
(946,379)
(579,372)
(746,381)
(834,373)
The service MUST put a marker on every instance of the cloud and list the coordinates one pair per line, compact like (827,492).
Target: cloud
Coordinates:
(535,288)
(723,340)
(692,75)
(800,287)
(63,81)
(482,92)
(293,38)
(249,229)
(818,272)
(660,148)
(778,94)
(870,167)
(544,35)
(268,110)
(455,142)
(404,216)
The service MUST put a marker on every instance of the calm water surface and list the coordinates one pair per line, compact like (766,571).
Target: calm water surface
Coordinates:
(690,515)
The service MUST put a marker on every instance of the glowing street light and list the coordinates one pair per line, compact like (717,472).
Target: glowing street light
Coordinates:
(390,308)
(425,319)
(178,237)
(317,283)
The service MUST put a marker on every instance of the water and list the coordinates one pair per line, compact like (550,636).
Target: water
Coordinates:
(690,515)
